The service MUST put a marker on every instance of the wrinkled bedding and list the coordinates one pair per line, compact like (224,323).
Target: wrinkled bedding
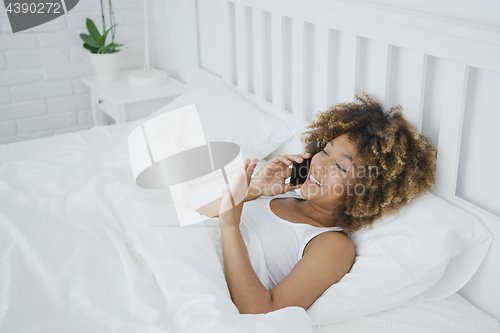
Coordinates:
(82,246)
(83,249)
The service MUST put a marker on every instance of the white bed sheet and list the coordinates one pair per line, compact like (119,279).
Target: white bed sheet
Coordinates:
(83,249)
(78,251)
(452,314)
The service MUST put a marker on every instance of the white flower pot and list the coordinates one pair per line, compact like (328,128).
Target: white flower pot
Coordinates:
(106,66)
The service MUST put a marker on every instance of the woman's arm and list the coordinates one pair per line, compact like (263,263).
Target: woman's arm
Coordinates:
(212,209)
(247,292)
(330,256)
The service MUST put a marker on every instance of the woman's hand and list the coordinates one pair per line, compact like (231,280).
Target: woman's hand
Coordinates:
(232,202)
(270,179)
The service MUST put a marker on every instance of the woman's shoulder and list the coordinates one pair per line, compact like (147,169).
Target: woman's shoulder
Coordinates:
(335,243)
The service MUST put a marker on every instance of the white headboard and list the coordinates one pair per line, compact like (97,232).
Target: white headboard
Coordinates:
(293,58)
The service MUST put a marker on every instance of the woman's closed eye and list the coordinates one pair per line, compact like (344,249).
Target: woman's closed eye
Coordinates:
(338,165)
(342,169)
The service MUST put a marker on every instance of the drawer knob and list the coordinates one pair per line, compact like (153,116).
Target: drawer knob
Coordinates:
(100,101)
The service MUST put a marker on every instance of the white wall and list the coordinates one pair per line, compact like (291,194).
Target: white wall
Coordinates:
(171,24)
(40,89)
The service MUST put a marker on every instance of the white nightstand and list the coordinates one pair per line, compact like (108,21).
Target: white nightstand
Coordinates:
(123,102)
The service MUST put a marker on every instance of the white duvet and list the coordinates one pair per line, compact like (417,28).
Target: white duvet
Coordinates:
(83,249)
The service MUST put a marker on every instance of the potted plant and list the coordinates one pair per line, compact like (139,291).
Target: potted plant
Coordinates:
(105,58)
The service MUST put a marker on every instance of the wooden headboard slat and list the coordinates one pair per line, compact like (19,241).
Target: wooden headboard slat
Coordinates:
(348,50)
(414,87)
(226,35)
(277,60)
(450,127)
(321,63)
(298,105)
(258,53)
(241,47)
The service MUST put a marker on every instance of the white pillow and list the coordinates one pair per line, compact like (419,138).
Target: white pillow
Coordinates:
(428,252)
(227,117)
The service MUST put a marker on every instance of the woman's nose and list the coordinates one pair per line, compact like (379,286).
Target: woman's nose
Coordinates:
(319,166)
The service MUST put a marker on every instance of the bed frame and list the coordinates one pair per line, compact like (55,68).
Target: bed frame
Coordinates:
(292,58)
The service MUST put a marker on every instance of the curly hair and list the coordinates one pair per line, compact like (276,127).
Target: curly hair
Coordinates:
(404,160)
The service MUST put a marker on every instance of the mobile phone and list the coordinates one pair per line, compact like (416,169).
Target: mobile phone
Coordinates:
(300,172)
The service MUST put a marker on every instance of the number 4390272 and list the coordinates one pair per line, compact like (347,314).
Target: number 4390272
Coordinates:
(34,8)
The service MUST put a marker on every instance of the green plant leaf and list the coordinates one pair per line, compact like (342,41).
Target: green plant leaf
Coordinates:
(107,49)
(93,32)
(111,48)
(102,40)
(104,49)
(86,38)
(115,45)
(90,48)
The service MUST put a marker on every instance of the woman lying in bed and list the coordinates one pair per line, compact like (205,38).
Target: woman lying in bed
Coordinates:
(365,164)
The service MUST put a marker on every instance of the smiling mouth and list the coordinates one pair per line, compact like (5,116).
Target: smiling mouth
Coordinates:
(315,181)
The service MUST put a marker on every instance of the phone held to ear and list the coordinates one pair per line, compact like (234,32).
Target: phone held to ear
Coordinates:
(300,172)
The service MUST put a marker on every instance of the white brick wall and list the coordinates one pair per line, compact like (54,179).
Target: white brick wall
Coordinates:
(40,89)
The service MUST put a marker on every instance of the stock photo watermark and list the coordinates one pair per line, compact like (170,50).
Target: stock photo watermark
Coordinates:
(170,152)
(452,324)
(351,176)
(27,14)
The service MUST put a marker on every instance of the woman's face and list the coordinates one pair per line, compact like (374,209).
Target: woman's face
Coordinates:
(336,168)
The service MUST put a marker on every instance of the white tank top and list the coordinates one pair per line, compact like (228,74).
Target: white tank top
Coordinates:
(283,242)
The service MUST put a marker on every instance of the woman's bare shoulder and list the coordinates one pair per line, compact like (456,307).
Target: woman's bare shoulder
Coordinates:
(329,258)
(332,240)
